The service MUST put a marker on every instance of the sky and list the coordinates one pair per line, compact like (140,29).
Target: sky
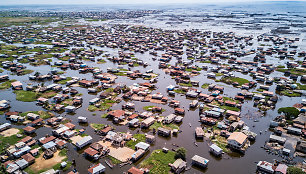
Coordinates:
(21,2)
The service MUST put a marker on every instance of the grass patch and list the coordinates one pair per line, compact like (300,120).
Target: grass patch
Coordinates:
(156,125)
(97,126)
(221,142)
(92,108)
(295,170)
(294,71)
(104,105)
(63,152)
(63,82)
(280,66)
(190,69)
(139,138)
(205,61)
(290,93)
(42,114)
(114,160)
(103,115)
(25,96)
(26,71)
(219,74)
(7,84)
(301,87)
(158,161)
(230,108)
(101,61)
(231,80)
(149,108)
(5,142)
(260,90)
(186,84)
(120,74)
(179,91)
(205,85)
(48,94)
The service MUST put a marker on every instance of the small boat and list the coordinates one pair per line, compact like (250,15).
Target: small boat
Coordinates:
(190,124)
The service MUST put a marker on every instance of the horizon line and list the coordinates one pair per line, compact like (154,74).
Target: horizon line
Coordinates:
(158,3)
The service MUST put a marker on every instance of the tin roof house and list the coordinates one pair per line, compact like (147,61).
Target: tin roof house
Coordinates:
(84,142)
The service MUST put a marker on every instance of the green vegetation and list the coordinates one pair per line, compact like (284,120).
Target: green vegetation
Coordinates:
(103,115)
(205,85)
(294,71)
(301,87)
(221,142)
(8,21)
(149,108)
(101,61)
(7,84)
(47,94)
(280,66)
(5,142)
(219,74)
(156,125)
(92,108)
(230,99)
(64,58)
(179,91)
(259,90)
(58,166)
(180,153)
(230,108)
(42,114)
(206,61)
(55,167)
(231,80)
(294,170)
(120,74)
(186,84)
(24,60)
(158,161)
(190,69)
(290,93)
(25,96)
(290,112)
(114,160)
(104,105)
(63,82)
(97,126)
(61,72)
(26,71)
(63,152)
(139,138)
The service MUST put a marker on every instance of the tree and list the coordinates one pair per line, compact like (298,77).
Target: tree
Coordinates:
(290,112)
(180,153)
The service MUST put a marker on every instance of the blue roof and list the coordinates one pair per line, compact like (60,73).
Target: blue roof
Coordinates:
(142,145)
(49,145)
(22,151)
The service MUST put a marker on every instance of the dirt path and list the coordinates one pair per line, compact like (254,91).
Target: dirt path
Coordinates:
(10,132)
(122,154)
(41,163)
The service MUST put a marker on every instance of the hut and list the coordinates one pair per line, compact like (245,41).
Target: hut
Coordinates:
(199,161)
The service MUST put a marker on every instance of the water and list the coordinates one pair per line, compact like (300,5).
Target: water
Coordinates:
(205,17)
